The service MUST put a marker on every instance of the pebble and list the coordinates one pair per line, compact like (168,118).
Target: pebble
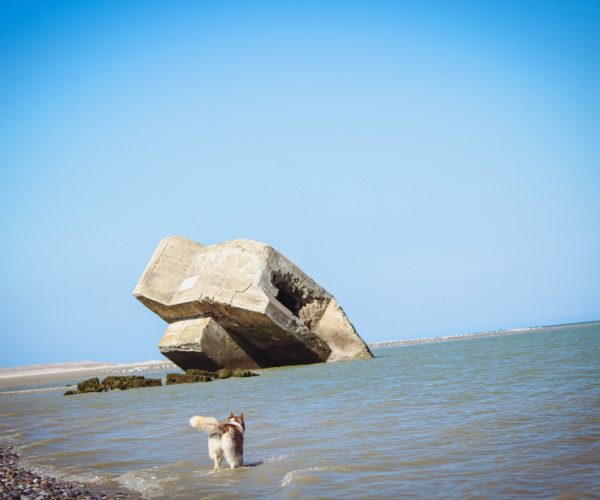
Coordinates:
(21,484)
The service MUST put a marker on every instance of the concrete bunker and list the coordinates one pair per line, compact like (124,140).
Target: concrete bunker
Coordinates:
(242,304)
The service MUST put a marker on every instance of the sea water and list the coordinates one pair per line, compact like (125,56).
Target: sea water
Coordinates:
(505,416)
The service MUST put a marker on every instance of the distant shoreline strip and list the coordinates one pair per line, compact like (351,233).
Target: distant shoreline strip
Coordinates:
(466,336)
(81,368)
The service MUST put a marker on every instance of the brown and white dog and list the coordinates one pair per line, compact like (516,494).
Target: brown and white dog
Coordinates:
(225,439)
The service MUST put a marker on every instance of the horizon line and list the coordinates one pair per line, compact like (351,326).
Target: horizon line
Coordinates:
(490,333)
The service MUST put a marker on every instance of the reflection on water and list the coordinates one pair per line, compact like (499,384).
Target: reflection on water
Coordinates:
(498,416)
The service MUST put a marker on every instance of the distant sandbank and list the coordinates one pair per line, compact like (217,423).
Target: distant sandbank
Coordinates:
(64,372)
(465,336)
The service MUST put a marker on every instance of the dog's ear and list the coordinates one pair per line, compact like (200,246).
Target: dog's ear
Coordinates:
(230,415)
(242,416)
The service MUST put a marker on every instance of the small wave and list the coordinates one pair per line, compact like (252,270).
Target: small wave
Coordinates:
(290,476)
(67,474)
(40,442)
(11,437)
(143,482)
(28,391)
(260,460)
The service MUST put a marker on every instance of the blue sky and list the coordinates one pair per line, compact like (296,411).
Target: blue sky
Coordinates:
(435,165)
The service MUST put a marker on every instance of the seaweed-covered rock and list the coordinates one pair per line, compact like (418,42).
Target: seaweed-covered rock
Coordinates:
(227,373)
(129,382)
(179,378)
(195,371)
(193,375)
(224,373)
(123,383)
(244,373)
(90,385)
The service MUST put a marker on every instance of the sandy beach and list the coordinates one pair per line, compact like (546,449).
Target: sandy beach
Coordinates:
(20,376)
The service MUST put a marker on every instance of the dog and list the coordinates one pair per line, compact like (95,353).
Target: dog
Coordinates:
(225,439)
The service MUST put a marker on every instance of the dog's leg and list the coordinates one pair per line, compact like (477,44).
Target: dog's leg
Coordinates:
(218,458)
(215,451)
(233,449)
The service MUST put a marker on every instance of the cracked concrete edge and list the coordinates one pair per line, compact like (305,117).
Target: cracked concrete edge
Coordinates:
(176,263)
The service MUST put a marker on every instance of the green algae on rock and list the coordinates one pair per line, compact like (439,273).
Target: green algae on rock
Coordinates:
(113,383)
(196,375)
(179,378)
(123,383)
(90,385)
(129,382)
(195,371)
(227,373)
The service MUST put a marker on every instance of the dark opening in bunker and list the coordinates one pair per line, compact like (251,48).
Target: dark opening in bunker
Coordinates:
(289,301)
(289,294)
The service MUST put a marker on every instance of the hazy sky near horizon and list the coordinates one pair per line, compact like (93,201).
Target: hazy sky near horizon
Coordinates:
(435,165)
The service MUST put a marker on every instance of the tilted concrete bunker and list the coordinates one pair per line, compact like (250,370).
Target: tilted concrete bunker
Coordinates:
(242,304)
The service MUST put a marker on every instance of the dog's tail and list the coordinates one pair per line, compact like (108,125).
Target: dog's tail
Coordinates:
(206,424)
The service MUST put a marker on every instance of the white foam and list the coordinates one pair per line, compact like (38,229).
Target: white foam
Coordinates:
(68,474)
(275,458)
(25,391)
(290,476)
(143,482)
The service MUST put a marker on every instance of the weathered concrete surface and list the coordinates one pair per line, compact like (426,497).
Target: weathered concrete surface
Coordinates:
(203,342)
(242,304)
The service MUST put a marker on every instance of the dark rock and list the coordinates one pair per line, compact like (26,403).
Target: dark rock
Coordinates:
(123,383)
(244,373)
(194,371)
(129,382)
(227,373)
(90,385)
(178,378)
(224,373)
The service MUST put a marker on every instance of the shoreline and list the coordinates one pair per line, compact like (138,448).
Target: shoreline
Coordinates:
(34,375)
(384,344)
(21,483)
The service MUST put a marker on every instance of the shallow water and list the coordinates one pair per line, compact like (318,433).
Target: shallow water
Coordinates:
(507,416)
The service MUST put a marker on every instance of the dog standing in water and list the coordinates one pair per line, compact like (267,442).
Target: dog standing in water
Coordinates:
(225,439)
